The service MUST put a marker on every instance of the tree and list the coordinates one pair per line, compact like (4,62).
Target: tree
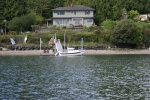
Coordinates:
(2,14)
(23,23)
(104,9)
(11,9)
(124,14)
(127,33)
(146,36)
(132,14)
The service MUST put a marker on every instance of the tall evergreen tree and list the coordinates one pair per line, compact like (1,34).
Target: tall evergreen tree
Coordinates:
(2,5)
(104,9)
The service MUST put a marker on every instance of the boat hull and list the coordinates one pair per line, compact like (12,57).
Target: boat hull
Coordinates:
(70,53)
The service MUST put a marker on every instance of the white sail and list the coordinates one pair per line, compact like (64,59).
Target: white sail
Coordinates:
(59,47)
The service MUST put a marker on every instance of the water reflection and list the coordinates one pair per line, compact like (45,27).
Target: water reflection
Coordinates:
(76,78)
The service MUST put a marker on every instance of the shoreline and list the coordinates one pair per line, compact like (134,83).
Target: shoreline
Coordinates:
(86,52)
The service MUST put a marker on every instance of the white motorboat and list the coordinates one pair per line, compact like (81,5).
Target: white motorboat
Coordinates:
(71,52)
(66,52)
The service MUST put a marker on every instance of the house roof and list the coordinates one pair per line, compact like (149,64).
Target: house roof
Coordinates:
(74,7)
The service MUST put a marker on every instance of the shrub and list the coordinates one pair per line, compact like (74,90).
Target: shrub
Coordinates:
(98,31)
(109,24)
(12,32)
(132,14)
(108,36)
(126,32)
(34,40)
(92,28)
(53,26)
(146,36)
(6,39)
(29,35)
(23,23)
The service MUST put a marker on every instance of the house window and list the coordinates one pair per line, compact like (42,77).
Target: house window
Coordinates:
(74,12)
(77,22)
(87,12)
(77,19)
(89,20)
(57,21)
(61,13)
(62,22)
(55,12)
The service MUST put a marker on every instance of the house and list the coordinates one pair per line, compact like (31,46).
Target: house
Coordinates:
(144,17)
(76,15)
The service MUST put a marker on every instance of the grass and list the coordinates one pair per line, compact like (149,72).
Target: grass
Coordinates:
(142,24)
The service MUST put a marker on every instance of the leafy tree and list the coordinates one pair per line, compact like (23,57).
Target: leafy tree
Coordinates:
(24,22)
(124,14)
(109,24)
(127,33)
(132,14)
(104,9)
(41,7)
(1,13)
(146,36)
(11,9)
(143,6)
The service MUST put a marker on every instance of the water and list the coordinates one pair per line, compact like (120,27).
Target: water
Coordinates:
(101,77)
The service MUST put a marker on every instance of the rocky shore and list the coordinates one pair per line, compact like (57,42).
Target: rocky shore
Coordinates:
(31,47)
(86,52)
(92,50)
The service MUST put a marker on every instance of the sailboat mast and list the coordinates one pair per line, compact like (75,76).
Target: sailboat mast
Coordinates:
(55,39)
(40,45)
(81,43)
(64,40)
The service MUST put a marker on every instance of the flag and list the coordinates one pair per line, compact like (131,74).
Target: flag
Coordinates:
(25,39)
(12,41)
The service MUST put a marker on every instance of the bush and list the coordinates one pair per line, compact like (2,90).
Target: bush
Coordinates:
(53,26)
(23,23)
(92,28)
(12,32)
(6,39)
(109,24)
(146,36)
(132,14)
(98,31)
(108,36)
(126,32)
(29,35)
(34,40)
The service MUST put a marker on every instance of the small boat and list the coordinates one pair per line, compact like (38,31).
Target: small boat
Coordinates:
(66,52)
(71,52)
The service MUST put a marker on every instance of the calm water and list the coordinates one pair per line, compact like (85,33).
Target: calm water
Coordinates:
(102,77)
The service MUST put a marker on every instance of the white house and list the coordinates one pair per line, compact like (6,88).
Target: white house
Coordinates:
(76,15)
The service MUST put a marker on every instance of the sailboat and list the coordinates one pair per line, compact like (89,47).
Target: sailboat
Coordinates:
(66,52)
